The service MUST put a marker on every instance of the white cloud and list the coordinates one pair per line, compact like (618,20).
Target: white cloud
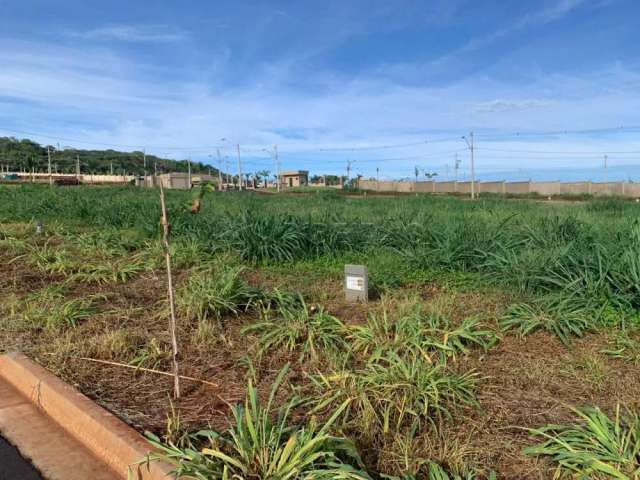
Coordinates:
(77,93)
(133,33)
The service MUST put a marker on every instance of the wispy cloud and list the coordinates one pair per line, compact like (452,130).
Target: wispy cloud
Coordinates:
(540,17)
(134,33)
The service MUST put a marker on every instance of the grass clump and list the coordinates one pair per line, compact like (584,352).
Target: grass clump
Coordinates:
(211,293)
(560,315)
(626,346)
(264,446)
(48,308)
(151,355)
(394,392)
(418,332)
(599,447)
(291,325)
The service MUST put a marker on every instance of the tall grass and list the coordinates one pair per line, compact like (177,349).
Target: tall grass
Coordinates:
(589,253)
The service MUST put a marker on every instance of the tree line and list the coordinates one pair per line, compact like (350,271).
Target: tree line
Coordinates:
(24,155)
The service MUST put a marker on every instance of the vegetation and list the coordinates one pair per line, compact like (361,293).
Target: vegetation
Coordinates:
(257,446)
(484,317)
(27,155)
(600,447)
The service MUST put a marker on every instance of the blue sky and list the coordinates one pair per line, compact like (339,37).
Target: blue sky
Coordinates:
(328,80)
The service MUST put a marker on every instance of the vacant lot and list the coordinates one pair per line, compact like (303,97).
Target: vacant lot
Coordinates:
(490,321)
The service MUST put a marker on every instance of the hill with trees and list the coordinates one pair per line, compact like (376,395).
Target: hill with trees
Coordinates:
(27,155)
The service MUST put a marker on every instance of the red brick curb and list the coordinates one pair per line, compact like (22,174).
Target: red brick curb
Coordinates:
(107,437)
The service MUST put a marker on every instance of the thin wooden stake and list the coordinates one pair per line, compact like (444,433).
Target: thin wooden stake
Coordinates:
(172,324)
(148,370)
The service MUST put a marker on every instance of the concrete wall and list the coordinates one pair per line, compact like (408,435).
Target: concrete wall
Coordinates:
(465,187)
(445,187)
(632,190)
(514,188)
(545,188)
(491,187)
(517,188)
(424,187)
(575,188)
(611,188)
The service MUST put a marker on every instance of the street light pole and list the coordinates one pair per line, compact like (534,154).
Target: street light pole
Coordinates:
(239,168)
(473,171)
(49,165)
(219,169)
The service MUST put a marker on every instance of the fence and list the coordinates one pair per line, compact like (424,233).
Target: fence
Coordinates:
(623,189)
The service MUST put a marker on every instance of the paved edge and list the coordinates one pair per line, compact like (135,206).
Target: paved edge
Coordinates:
(106,436)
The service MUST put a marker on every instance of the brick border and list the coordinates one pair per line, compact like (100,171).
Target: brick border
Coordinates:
(106,436)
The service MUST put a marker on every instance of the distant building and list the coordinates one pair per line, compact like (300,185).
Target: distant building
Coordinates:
(294,178)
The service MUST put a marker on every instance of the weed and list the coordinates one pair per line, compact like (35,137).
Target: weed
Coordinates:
(599,447)
(556,314)
(394,392)
(626,345)
(48,308)
(152,355)
(212,293)
(296,327)
(591,368)
(257,446)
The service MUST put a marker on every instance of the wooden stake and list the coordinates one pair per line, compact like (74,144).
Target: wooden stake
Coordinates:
(148,370)
(166,230)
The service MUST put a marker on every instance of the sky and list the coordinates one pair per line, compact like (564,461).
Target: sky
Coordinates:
(548,87)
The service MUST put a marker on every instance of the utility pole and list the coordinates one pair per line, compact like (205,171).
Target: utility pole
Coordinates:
(348,170)
(473,171)
(111,166)
(49,165)
(78,166)
(219,169)
(144,165)
(275,149)
(456,167)
(189,171)
(378,178)
(606,158)
(239,168)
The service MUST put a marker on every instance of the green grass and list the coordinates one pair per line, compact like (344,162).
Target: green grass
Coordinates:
(394,392)
(599,447)
(418,332)
(262,444)
(213,292)
(290,325)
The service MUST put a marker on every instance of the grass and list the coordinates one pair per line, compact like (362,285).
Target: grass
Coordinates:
(211,293)
(262,445)
(599,447)
(394,392)
(421,333)
(294,326)
(386,376)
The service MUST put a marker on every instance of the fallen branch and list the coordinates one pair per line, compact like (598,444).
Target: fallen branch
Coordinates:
(149,370)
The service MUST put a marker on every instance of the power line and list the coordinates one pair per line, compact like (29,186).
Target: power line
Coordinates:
(567,152)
